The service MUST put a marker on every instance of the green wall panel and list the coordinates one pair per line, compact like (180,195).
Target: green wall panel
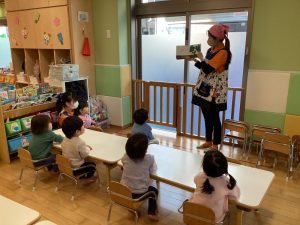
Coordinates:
(106,18)
(108,81)
(126,109)
(276,35)
(265,118)
(293,101)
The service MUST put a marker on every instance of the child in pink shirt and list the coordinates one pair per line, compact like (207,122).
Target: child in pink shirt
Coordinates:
(83,113)
(215,185)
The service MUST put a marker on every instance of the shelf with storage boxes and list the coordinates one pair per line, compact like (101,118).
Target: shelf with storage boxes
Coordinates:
(15,133)
(44,28)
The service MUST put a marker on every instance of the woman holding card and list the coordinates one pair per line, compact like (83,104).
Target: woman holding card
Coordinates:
(210,92)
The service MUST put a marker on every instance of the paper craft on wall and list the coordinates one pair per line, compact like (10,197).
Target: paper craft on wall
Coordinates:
(24,33)
(37,17)
(60,38)
(56,21)
(47,37)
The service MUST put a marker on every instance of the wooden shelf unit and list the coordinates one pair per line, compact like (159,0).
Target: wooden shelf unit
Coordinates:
(15,114)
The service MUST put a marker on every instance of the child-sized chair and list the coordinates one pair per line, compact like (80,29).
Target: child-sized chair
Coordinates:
(196,214)
(235,130)
(65,169)
(122,196)
(257,134)
(278,144)
(28,162)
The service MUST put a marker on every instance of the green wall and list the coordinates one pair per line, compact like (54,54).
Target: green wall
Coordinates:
(276,35)
(105,18)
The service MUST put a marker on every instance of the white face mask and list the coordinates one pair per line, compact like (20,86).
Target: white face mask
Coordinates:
(75,105)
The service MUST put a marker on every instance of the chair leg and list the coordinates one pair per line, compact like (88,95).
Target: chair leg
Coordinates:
(35,180)
(136,217)
(74,191)
(249,149)
(21,174)
(109,213)
(58,181)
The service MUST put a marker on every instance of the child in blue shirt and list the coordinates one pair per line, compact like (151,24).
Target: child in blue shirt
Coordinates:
(140,116)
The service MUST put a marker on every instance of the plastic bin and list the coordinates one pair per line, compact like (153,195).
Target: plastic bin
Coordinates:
(19,142)
(26,123)
(13,127)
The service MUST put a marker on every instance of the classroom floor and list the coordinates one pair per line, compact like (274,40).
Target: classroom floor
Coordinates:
(90,207)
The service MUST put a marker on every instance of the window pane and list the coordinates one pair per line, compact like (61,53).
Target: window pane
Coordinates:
(5,56)
(160,36)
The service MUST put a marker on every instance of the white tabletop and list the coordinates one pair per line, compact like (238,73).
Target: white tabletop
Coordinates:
(107,148)
(13,213)
(178,168)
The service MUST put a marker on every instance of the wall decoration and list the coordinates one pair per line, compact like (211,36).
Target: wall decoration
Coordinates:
(56,21)
(83,16)
(60,38)
(37,17)
(86,47)
(17,20)
(47,37)
(24,33)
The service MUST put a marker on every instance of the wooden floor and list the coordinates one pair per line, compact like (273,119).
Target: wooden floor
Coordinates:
(281,206)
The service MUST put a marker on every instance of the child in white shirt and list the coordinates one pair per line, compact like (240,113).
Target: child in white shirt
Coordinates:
(75,149)
(137,167)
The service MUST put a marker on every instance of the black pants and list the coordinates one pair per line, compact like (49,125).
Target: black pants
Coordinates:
(152,205)
(212,123)
(88,171)
(50,158)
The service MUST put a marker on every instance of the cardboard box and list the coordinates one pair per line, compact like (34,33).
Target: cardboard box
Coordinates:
(185,51)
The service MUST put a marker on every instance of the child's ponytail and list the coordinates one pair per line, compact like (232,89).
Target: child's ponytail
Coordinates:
(227,47)
(207,188)
(232,182)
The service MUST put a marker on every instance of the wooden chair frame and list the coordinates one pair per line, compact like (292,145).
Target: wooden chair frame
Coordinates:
(28,162)
(121,195)
(240,127)
(278,143)
(257,133)
(65,169)
(192,214)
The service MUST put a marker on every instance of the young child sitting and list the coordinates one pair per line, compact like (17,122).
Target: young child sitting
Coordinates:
(65,106)
(137,167)
(140,116)
(75,149)
(42,141)
(215,185)
(83,113)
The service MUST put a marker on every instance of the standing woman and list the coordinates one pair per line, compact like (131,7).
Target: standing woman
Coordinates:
(210,92)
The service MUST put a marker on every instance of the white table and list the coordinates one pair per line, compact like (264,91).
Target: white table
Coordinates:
(178,168)
(13,213)
(107,148)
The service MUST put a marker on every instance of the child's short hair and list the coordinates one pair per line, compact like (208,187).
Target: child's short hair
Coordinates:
(80,107)
(140,116)
(215,165)
(40,124)
(70,125)
(136,146)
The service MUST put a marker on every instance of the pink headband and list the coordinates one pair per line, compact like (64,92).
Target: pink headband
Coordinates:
(219,31)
